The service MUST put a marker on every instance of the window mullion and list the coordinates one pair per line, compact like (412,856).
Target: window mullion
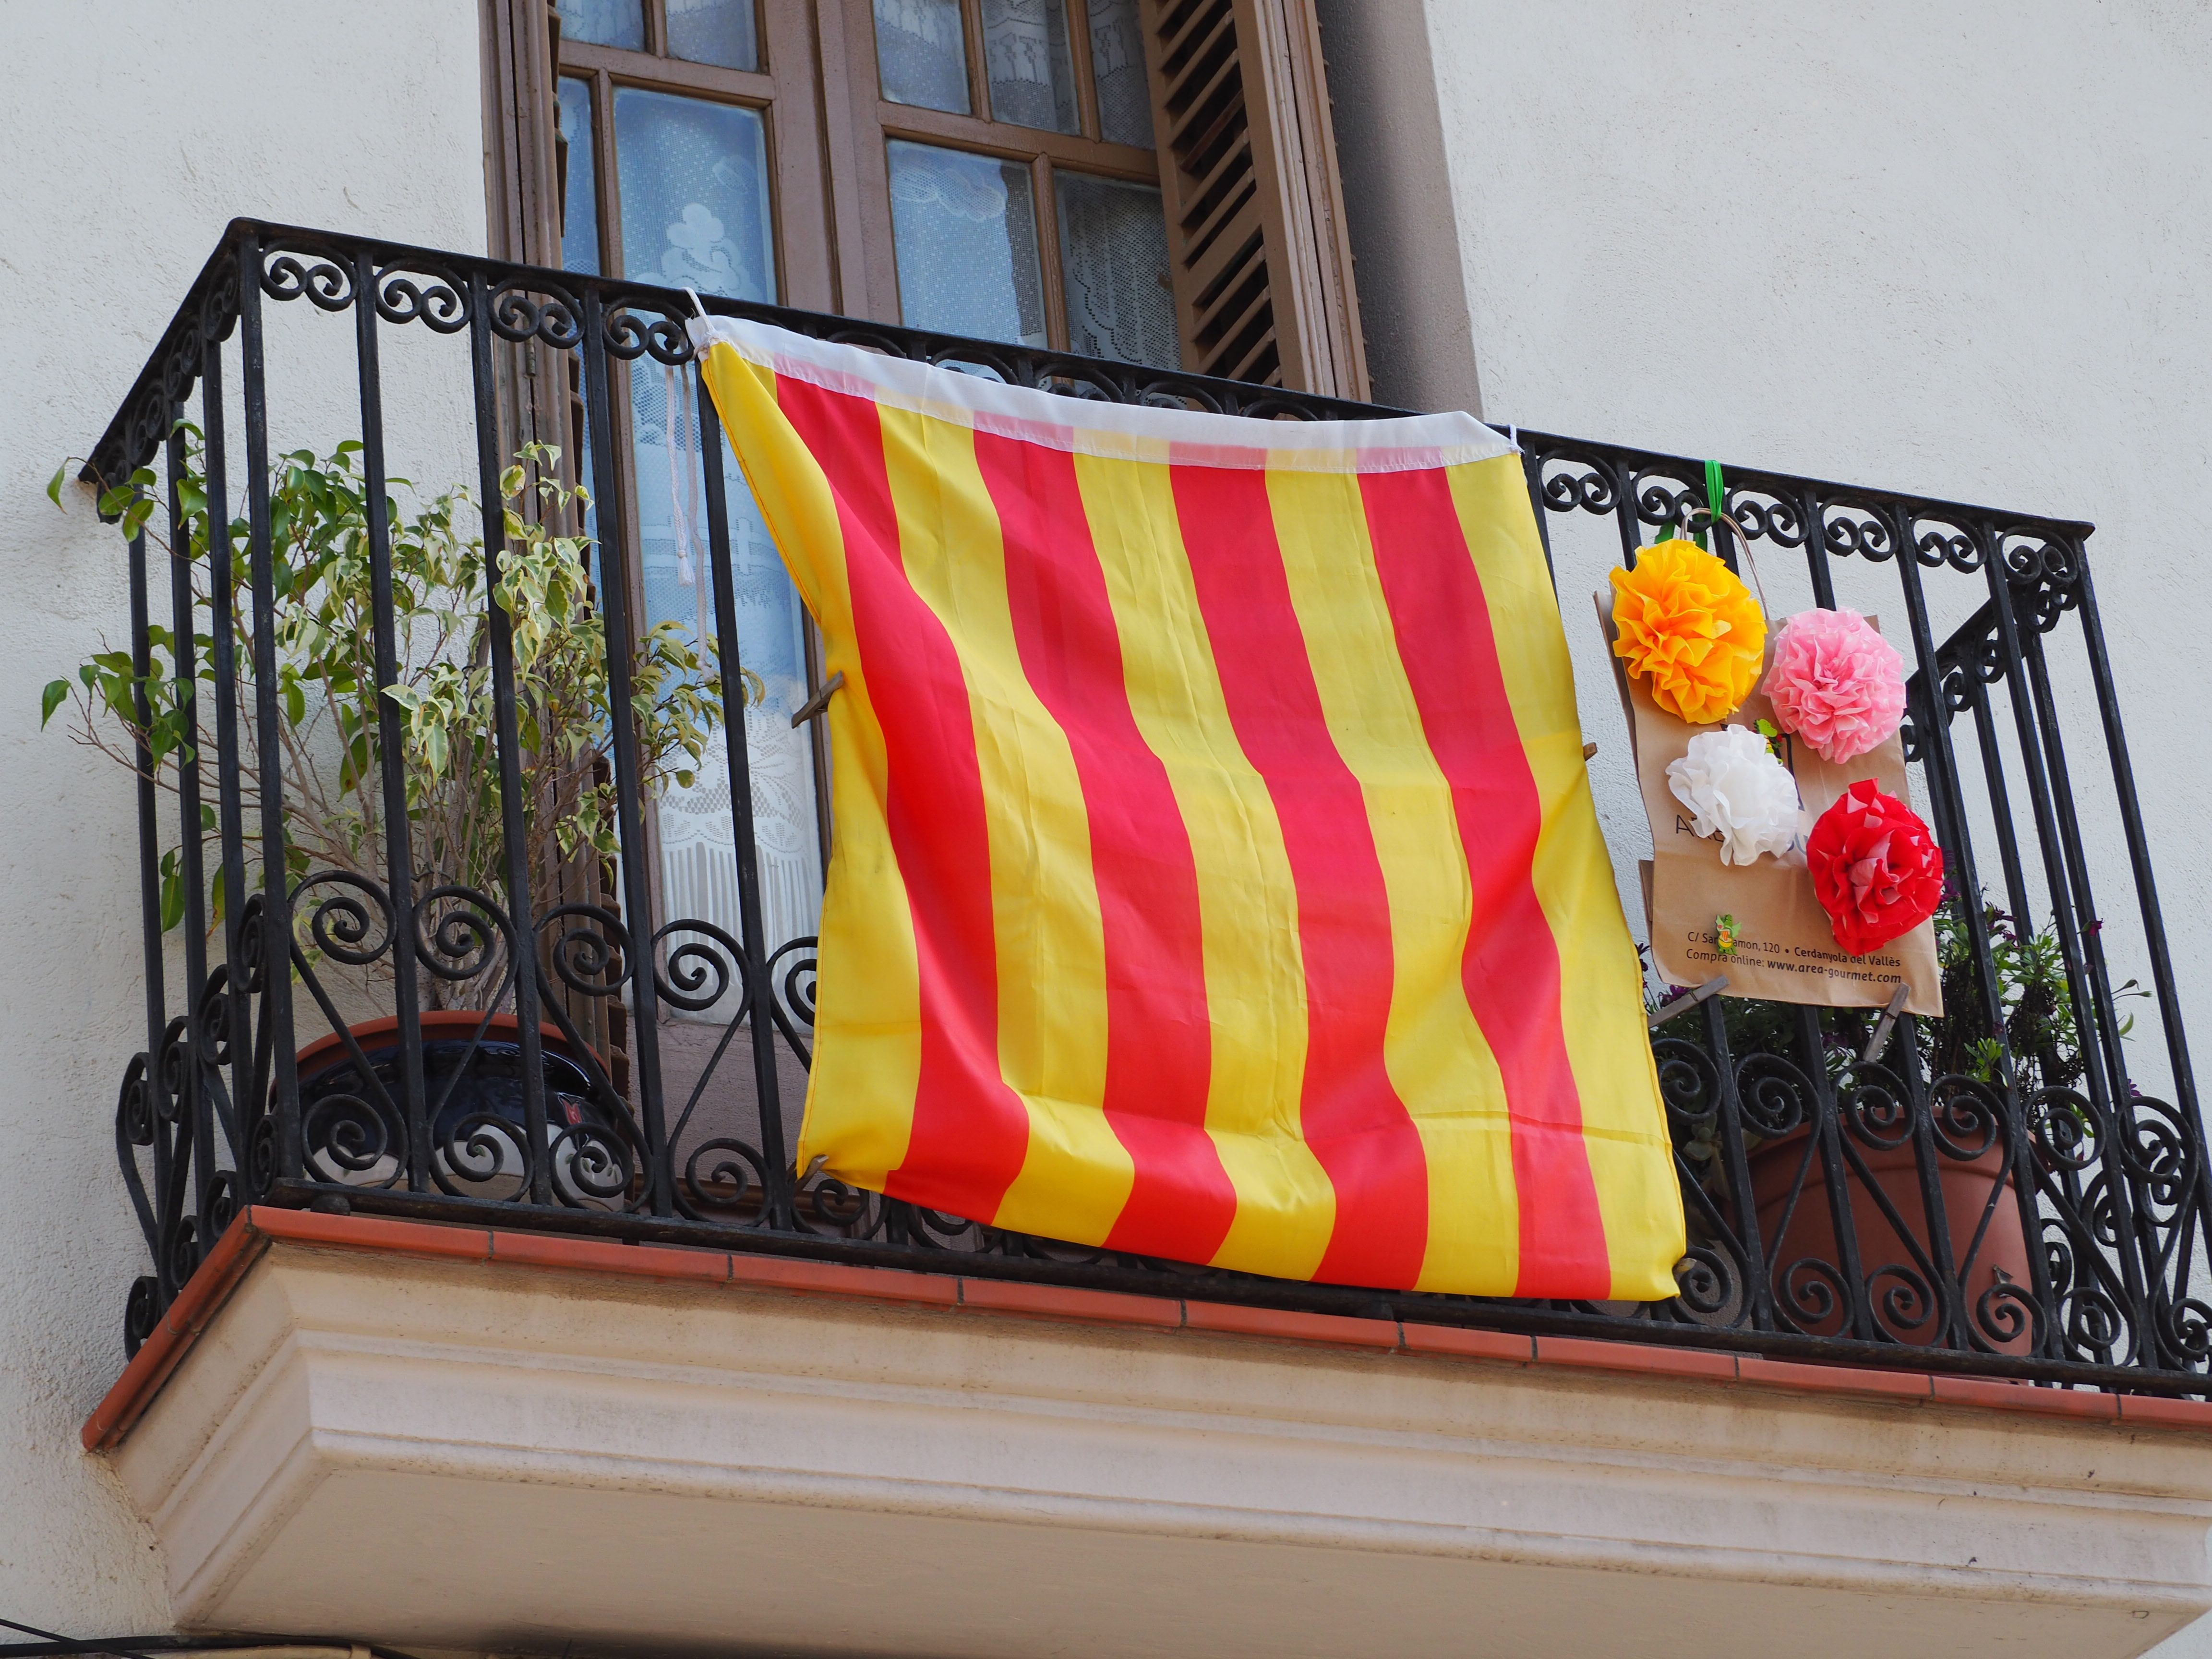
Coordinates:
(1048,235)
(609,184)
(979,70)
(1078,57)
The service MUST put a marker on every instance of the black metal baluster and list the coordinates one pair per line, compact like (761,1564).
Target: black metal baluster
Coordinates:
(522,936)
(2154,918)
(1624,508)
(1938,762)
(781,1197)
(2020,1149)
(615,567)
(1940,765)
(1827,1131)
(1927,706)
(190,865)
(150,929)
(1532,470)
(230,805)
(1827,1136)
(2030,718)
(391,730)
(1993,778)
(2134,1206)
(2131,821)
(2077,864)
(1813,522)
(1951,1315)
(284,1154)
(1758,1292)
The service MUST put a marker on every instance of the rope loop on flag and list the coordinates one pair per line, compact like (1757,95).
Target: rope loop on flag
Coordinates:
(696,459)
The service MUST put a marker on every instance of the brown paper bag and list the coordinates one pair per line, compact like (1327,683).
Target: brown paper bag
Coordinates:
(1785,950)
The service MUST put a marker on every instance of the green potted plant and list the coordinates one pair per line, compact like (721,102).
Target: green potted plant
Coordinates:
(328,756)
(2040,1030)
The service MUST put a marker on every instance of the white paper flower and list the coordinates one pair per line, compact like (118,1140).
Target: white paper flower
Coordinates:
(1734,787)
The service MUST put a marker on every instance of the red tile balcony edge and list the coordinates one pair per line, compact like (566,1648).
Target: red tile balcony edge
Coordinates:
(1060,1302)
(203,1294)
(257,1228)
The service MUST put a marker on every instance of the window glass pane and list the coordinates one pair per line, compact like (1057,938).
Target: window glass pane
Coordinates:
(1117,71)
(1025,50)
(1114,262)
(921,56)
(713,32)
(604,22)
(694,195)
(580,186)
(695,212)
(964,230)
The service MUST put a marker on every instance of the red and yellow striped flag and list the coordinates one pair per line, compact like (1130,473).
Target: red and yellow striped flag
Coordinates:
(1216,873)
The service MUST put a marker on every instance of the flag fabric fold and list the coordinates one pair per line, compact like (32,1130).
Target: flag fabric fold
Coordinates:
(1215,872)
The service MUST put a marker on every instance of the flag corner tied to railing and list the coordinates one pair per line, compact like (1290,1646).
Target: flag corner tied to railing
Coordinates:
(1216,874)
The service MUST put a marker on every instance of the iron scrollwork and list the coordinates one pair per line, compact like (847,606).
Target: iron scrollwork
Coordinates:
(1898,1211)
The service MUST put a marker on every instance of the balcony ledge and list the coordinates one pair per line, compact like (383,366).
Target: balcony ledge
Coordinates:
(447,1438)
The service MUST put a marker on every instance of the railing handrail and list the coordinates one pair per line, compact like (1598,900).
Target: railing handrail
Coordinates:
(121,449)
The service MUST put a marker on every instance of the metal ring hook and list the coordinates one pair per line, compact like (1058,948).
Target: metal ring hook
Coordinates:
(1689,510)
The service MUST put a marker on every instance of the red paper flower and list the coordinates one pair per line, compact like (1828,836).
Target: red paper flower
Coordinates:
(1875,866)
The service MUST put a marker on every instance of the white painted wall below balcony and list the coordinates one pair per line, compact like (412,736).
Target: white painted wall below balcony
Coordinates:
(493,1455)
(132,131)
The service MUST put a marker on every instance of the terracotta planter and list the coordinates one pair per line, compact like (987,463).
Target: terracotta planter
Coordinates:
(438,1025)
(1965,1187)
(468,1080)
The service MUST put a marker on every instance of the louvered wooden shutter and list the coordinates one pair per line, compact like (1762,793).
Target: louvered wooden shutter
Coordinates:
(1261,262)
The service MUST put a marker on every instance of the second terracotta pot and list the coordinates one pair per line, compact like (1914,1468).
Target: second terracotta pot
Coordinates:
(1965,1186)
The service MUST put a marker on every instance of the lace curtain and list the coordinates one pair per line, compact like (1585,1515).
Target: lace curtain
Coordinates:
(696,213)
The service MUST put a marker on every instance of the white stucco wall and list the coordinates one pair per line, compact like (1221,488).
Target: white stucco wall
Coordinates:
(1955,249)
(132,130)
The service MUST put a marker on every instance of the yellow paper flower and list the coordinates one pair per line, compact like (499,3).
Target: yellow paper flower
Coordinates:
(1687,624)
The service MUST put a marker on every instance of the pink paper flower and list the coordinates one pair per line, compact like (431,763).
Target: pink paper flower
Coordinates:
(1836,683)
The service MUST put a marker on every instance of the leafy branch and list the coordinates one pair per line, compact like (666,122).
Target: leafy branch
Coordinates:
(321,650)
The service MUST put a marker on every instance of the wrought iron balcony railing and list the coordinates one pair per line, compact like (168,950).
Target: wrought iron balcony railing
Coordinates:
(1995,1195)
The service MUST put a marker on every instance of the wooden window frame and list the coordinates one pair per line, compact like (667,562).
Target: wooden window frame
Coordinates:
(828,124)
(876,121)
(784,91)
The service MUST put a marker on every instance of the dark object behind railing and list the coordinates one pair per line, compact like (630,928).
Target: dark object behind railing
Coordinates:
(2107,1188)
